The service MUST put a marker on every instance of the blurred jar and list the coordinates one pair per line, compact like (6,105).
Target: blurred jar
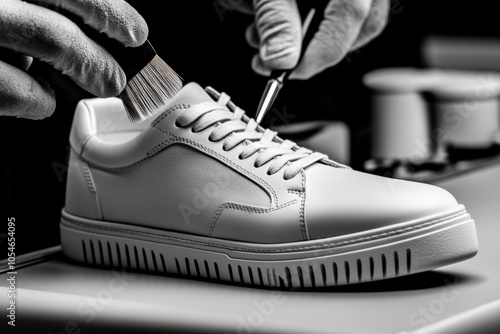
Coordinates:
(400,114)
(418,113)
(467,109)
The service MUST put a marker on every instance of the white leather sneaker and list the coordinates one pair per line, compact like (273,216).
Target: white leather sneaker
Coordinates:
(202,190)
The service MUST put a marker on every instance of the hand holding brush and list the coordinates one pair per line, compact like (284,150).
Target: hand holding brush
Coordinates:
(57,32)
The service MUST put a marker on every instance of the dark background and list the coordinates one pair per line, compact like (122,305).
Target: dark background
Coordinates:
(203,46)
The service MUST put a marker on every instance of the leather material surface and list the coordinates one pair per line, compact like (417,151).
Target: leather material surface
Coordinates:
(344,201)
(81,196)
(258,225)
(159,174)
(180,189)
(330,138)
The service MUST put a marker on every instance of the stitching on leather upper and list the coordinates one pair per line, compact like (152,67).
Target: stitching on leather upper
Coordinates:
(281,250)
(296,192)
(241,207)
(168,112)
(91,188)
(174,138)
(302,218)
(302,195)
(158,148)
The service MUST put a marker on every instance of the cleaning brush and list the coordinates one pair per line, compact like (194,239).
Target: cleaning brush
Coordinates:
(151,83)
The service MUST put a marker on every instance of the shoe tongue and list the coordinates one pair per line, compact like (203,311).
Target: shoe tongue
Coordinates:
(192,93)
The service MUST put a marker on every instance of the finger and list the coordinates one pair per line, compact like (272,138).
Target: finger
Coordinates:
(259,67)
(252,36)
(116,18)
(243,6)
(374,24)
(50,37)
(15,59)
(336,34)
(23,96)
(279,28)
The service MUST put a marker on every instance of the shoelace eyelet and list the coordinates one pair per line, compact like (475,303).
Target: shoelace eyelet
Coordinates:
(177,124)
(240,157)
(192,130)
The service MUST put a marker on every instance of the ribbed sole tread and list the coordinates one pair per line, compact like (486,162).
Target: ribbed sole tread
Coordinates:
(118,255)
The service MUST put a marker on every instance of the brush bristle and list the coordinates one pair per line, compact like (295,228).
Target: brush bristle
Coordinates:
(148,92)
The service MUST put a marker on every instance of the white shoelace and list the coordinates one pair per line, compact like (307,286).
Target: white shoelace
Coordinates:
(234,128)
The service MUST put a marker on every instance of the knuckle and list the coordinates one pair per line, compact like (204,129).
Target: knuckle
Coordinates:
(280,33)
(113,84)
(284,60)
(272,14)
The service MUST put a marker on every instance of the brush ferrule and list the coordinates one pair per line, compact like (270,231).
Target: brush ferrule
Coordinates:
(133,60)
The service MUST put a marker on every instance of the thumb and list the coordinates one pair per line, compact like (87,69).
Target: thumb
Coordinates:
(278,25)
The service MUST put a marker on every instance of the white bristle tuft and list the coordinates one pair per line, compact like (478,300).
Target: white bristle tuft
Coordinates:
(148,91)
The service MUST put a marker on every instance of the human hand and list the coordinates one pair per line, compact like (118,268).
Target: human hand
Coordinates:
(30,31)
(276,33)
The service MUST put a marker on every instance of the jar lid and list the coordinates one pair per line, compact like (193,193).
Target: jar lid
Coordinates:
(394,79)
(443,84)
(456,85)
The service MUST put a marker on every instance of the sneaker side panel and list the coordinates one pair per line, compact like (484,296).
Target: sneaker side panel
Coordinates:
(81,195)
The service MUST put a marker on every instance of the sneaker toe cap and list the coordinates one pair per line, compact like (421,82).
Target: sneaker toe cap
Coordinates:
(343,201)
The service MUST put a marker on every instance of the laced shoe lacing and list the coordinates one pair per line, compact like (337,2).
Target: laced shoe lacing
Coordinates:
(233,127)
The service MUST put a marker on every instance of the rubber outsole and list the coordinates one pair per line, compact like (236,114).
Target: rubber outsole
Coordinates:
(380,254)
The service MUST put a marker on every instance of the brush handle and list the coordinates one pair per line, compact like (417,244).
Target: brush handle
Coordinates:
(131,60)
(308,31)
